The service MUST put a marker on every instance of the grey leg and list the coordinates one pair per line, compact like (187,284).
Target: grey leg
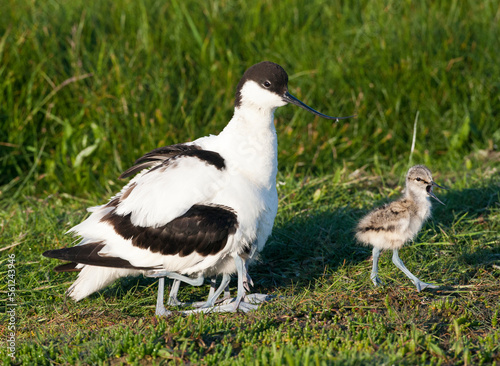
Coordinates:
(374,276)
(172,297)
(213,286)
(176,276)
(160,308)
(399,263)
(253,298)
(242,281)
(226,278)
(237,303)
(227,293)
(212,297)
(248,280)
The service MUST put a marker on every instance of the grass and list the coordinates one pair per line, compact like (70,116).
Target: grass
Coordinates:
(326,310)
(87,87)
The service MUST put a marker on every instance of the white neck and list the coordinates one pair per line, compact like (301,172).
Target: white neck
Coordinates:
(422,201)
(251,144)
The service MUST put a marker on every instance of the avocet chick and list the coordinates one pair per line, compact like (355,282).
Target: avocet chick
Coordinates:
(396,223)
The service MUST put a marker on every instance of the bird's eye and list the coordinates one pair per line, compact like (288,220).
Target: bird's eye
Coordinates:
(267,84)
(418,179)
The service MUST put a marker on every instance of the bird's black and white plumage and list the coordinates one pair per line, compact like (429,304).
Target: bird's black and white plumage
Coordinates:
(196,209)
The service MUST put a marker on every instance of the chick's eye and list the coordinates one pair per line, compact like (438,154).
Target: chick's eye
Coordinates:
(418,179)
(267,84)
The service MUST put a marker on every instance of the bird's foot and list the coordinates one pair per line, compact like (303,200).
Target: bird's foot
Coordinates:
(224,307)
(206,304)
(224,299)
(198,304)
(376,280)
(422,285)
(162,311)
(229,305)
(257,298)
(173,301)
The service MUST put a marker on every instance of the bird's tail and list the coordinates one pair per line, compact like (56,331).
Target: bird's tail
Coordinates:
(93,278)
(96,271)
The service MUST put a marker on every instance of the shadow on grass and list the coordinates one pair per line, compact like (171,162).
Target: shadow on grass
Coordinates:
(307,247)
(483,256)
(310,245)
(471,219)
(472,202)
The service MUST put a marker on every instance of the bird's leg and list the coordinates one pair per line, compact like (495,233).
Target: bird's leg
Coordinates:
(242,284)
(213,286)
(399,263)
(160,308)
(252,298)
(238,303)
(209,305)
(374,276)
(176,276)
(227,293)
(215,295)
(247,280)
(172,297)
(226,278)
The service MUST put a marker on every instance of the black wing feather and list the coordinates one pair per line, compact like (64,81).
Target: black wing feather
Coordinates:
(162,156)
(67,267)
(87,254)
(202,229)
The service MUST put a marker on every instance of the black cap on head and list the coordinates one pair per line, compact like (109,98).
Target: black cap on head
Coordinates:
(267,74)
(274,78)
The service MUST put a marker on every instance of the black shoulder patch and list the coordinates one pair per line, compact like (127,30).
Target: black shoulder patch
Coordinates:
(210,157)
(202,229)
(87,254)
(162,157)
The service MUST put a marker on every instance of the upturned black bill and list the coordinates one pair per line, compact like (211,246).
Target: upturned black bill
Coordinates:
(289,98)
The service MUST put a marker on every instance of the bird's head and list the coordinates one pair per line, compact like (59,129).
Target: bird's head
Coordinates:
(265,86)
(419,181)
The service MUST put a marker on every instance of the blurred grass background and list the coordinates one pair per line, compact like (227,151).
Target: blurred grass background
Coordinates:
(86,87)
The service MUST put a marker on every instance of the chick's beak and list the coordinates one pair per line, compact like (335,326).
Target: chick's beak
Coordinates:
(434,184)
(430,193)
